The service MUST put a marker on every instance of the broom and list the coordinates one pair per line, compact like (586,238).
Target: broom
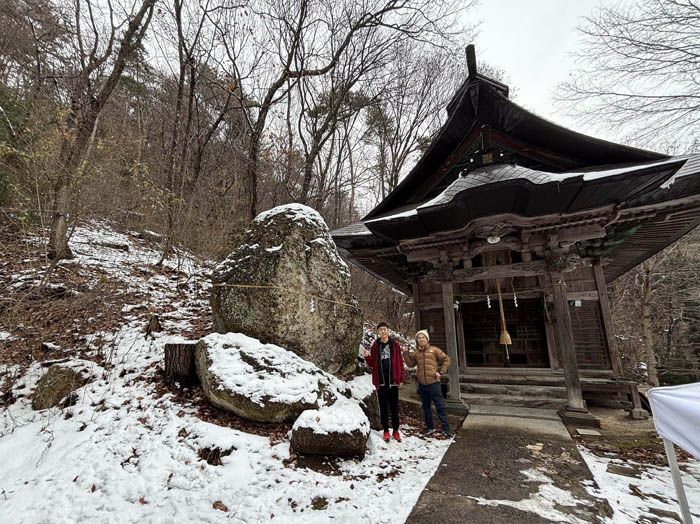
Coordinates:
(505,337)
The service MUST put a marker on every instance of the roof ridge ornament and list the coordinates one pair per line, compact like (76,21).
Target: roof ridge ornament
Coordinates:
(471,61)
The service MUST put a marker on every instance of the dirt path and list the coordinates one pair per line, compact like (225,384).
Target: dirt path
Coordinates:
(503,468)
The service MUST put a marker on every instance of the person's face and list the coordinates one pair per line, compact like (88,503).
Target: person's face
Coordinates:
(383,332)
(422,341)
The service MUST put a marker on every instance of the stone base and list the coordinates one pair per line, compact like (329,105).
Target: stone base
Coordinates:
(578,417)
(639,414)
(456,407)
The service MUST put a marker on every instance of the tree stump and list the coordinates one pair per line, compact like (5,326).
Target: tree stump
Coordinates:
(153,326)
(179,364)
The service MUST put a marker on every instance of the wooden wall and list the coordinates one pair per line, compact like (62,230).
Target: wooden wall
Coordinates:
(590,340)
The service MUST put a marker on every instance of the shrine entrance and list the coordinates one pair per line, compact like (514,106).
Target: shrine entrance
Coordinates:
(525,325)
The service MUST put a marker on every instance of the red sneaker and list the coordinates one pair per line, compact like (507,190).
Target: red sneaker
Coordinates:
(397,437)
(386,436)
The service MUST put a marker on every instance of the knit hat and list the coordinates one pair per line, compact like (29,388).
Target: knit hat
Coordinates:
(382,324)
(423,332)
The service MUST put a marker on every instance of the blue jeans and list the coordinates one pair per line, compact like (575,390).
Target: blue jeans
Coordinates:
(433,393)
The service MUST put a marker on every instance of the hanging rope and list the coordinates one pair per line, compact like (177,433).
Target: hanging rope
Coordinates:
(505,336)
(288,290)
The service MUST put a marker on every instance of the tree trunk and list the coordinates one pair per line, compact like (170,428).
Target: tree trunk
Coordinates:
(647,334)
(72,152)
(179,364)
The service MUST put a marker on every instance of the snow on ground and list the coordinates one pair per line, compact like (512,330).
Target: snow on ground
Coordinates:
(288,378)
(547,501)
(634,499)
(345,416)
(127,453)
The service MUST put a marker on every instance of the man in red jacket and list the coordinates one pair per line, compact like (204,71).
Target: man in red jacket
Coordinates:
(388,375)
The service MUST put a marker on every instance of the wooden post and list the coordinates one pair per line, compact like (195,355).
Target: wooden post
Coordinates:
(614,354)
(552,345)
(416,306)
(461,342)
(575,410)
(179,364)
(454,397)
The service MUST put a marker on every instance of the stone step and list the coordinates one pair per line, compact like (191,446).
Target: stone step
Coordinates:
(512,400)
(513,379)
(515,390)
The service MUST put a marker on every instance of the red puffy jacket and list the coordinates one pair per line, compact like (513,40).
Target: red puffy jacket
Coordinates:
(398,372)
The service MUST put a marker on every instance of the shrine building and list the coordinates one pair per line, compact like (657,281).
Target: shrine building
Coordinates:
(506,233)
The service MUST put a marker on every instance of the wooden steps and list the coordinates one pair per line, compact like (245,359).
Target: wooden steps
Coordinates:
(524,401)
(555,392)
(538,387)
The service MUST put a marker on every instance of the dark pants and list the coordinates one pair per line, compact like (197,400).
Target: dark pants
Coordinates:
(389,400)
(433,393)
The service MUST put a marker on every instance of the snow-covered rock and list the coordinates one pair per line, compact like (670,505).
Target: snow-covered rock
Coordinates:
(365,393)
(287,285)
(56,384)
(339,430)
(261,382)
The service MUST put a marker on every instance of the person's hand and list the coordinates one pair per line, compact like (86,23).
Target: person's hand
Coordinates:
(437,374)
(400,385)
(365,353)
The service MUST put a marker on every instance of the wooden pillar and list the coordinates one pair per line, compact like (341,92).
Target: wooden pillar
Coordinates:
(561,307)
(575,410)
(461,342)
(552,346)
(416,307)
(454,398)
(613,353)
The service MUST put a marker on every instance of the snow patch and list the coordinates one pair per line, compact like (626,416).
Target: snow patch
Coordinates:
(345,416)
(286,379)
(655,483)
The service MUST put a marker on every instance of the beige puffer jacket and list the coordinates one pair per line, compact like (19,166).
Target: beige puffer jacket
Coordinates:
(428,361)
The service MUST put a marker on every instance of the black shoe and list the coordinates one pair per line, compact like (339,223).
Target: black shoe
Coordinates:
(447,434)
(427,431)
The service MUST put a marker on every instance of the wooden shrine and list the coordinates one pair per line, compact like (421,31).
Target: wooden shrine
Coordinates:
(505,202)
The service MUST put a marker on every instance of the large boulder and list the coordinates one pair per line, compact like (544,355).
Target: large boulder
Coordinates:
(55,385)
(287,285)
(261,382)
(364,392)
(340,430)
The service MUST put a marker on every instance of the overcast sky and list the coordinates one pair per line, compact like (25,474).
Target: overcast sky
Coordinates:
(532,40)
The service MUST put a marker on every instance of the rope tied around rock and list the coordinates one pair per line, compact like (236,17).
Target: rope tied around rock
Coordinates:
(288,290)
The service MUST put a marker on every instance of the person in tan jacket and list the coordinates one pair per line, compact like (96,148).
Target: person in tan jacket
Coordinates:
(431,362)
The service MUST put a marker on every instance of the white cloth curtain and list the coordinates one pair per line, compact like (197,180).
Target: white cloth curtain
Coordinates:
(676,412)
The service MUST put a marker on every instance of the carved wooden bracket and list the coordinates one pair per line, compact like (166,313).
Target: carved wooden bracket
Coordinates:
(521,269)
(563,262)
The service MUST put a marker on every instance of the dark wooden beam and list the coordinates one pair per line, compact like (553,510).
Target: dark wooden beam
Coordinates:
(416,306)
(535,153)
(473,134)
(607,318)
(574,397)
(454,394)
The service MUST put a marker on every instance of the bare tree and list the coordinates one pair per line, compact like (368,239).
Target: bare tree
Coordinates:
(309,40)
(637,69)
(410,107)
(101,47)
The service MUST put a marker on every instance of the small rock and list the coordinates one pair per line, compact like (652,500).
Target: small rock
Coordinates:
(341,431)
(56,384)
(588,432)
(625,471)
(665,513)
